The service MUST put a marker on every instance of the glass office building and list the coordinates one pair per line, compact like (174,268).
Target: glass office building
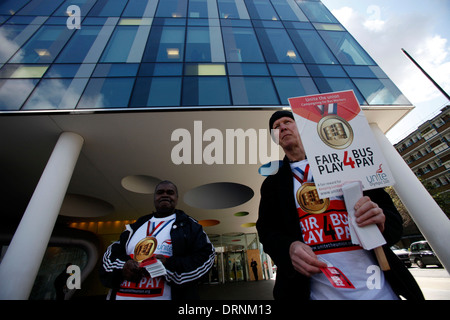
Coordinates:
(132,54)
(125,74)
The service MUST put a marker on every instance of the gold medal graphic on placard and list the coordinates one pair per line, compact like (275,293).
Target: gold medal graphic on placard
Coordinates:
(335,132)
(144,249)
(309,201)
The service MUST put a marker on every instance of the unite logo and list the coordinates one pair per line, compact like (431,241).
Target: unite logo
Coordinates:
(378,178)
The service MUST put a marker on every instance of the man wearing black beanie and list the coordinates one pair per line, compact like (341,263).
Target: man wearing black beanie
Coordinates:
(305,235)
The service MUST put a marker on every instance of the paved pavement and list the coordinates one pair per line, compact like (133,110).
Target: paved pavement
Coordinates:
(434,282)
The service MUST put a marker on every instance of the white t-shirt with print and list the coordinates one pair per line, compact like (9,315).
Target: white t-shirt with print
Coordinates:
(150,288)
(328,234)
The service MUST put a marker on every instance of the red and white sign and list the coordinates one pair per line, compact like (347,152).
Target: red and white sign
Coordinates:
(339,143)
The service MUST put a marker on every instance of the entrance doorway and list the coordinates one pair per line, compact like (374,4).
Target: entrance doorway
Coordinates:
(235,266)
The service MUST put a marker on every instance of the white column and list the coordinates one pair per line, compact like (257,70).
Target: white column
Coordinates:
(430,219)
(23,258)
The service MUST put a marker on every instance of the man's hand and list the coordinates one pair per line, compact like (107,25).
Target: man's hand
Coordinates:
(367,212)
(132,272)
(304,259)
(161,258)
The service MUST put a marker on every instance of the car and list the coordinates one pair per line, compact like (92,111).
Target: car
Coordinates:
(422,254)
(402,254)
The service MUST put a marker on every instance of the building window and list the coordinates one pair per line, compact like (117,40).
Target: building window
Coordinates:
(380,92)
(261,10)
(107,93)
(288,87)
(39,8)
(288,10)
(156,92)
(126,44)
(108,8)
(241,45)
(44,46)
(316,12)
(277,46)
(204,44)
(14,92)
(346,49)
(56,94)
(338,84)
(233,9)
(311,47)
(80,45)
(201,91)
(247,91)
(172,8)
(166,44)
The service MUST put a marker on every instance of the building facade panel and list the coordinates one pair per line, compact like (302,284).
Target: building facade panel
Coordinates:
(303,46)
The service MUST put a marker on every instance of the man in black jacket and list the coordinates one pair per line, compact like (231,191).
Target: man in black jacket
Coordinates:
(305,241)
(182,246)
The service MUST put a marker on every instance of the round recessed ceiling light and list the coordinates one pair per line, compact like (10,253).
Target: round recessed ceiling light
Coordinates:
(140,183)
(208,222)
(248,225)
(77,205)
(219,195)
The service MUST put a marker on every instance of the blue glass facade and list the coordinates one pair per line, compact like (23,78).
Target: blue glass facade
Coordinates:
(179,53)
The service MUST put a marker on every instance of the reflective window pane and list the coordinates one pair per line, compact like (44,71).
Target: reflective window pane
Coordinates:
(241,45)
(23,71)
(327,70)
(198,9)
(311,47)
(116,70)
(172,8)
(40,8)
(204,44)
(261,10)
(156,92)
(294,70)
(381,92)
(338,84)
(247,69)
(165,44)
(289,87)
(277,46)
(232,9)
(63,71)
(161,69)
(9,7)
(107,93)
(346,49)
(253,91)
(120,44)
(44,46)
(139,8)
(316,12)
(204,91)
(11,40)
(14,92)
(56,94)
(288,10)
(108,8)
(85,6)
(79,45)
(365,72)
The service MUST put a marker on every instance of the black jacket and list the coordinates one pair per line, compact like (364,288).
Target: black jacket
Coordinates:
(192,257)
(278,226)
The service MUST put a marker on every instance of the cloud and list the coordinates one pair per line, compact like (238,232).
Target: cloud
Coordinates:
(383,37)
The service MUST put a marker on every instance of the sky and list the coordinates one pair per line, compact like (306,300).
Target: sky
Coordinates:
(422,28)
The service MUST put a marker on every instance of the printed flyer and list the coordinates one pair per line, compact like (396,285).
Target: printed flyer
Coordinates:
(339,143)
